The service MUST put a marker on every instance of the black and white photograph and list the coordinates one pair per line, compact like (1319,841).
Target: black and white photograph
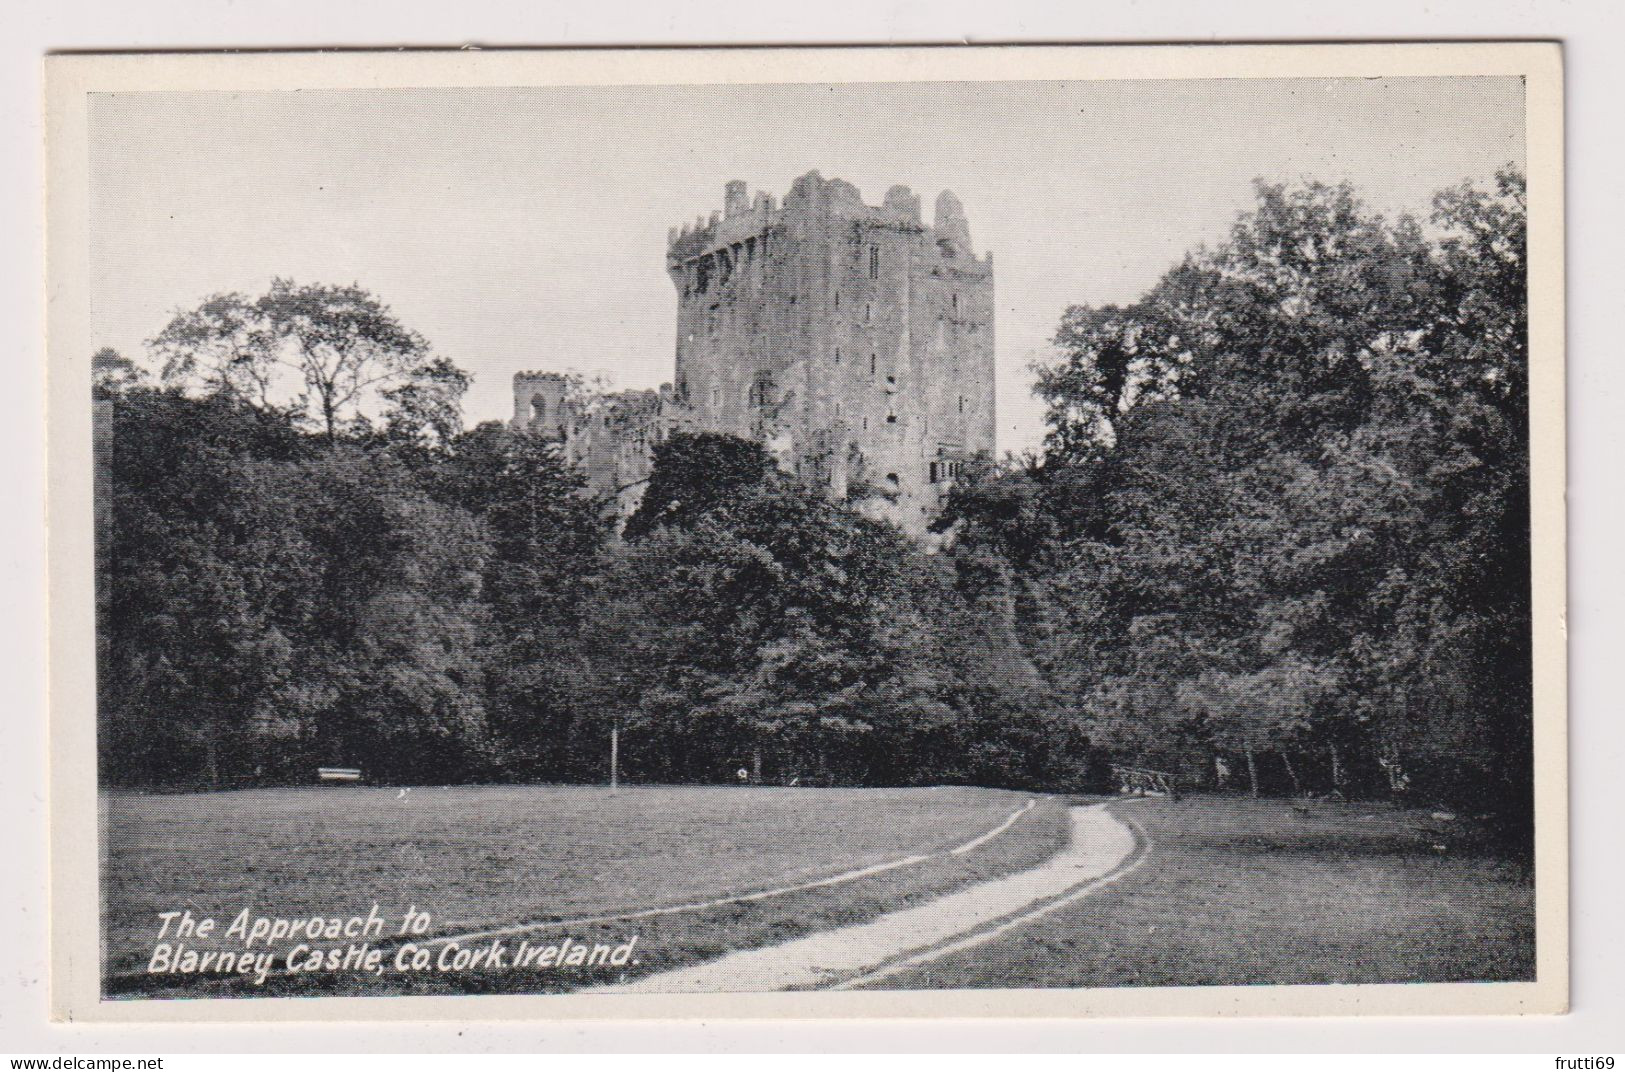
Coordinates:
(899,536)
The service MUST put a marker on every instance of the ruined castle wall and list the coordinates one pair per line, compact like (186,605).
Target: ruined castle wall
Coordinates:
(611,438)
(542,403)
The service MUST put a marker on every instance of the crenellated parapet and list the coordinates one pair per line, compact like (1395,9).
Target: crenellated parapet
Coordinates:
(742,220)
(746,221)
(543,402)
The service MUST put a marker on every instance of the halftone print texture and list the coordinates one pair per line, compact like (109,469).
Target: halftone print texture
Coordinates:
(748,538)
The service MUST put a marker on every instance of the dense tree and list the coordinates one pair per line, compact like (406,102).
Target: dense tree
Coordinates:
(547,532)
(547,541)
(778,630)
(694,472)
(724,617)
(208,579)
(399,618)
(1310,449)
(272,607)
(111,372)
(335,355)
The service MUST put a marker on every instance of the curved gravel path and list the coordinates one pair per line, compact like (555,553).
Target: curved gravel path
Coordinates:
(866,952)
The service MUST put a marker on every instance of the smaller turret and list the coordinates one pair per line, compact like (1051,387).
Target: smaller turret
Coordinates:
(542,403)
(950,223)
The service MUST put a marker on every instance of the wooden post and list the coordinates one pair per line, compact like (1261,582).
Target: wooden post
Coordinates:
(615,756)
(1297,786)
(211,753)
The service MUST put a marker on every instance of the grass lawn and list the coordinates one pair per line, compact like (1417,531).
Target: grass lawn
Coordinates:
(489,856)
(1238,891)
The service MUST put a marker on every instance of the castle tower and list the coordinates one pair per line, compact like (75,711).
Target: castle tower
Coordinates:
(855,341)
(542,403)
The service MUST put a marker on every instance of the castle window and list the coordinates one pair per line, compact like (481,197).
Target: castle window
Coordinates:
(837,355)
(874,262)
(837,409)
(762,391)
(891,418)
(962,403)
(891,478)
(837,299)
(955,299)
(716,396)
(538,409)
(868,311)
(871,364)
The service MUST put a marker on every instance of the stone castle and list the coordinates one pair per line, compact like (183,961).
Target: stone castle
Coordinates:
(854,341)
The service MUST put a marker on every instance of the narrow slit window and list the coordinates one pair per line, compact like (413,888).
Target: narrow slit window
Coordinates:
(763,392)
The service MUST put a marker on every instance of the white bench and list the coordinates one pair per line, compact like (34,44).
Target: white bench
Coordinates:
(338,774)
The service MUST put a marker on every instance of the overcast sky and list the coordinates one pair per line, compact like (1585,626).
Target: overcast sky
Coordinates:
(526,228)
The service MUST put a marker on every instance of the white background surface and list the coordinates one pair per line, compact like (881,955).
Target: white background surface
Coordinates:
(1593,34)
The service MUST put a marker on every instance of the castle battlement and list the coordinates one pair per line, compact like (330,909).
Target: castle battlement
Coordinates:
(744,217)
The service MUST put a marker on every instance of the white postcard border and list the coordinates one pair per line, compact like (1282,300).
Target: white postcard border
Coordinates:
(74,899)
